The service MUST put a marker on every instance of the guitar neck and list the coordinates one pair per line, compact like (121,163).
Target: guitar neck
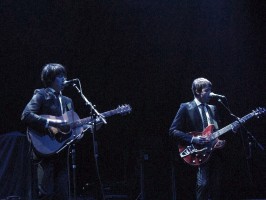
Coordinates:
(87,120)
(109,113)
(230,126)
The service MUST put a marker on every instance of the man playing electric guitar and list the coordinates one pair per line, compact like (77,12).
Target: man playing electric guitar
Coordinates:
(195,116)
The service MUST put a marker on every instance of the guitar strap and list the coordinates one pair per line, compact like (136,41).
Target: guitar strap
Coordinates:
(66,106)
(211,113)
(61,104)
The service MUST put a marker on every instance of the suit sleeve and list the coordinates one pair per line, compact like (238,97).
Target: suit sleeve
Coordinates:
(177,130)
(30,114)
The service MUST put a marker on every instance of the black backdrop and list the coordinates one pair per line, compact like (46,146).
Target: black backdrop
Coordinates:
(144,53)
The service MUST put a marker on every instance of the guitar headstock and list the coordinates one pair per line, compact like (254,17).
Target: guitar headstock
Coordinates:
(259,111)
(124,109)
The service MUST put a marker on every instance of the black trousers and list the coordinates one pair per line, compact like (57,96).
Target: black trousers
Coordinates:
(201,183)
(208,184)
(50,177)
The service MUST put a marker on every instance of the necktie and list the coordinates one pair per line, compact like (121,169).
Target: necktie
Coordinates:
(204,116)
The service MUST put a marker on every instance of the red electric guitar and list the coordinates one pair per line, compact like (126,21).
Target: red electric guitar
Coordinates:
(199,154)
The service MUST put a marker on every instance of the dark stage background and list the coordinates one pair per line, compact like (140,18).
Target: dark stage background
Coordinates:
(146,54)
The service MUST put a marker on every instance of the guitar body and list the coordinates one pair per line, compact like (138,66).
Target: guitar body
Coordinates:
(199,154)
(53,140)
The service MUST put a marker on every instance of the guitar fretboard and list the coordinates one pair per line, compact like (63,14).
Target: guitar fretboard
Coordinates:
(87,120)
(230,126)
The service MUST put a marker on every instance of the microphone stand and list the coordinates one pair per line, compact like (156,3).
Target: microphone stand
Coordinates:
(71,145)
(239,122)
(95,114)
(248,154)
(242,126)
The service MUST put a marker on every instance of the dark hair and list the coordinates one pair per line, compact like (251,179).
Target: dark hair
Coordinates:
(200,83)
(50,71)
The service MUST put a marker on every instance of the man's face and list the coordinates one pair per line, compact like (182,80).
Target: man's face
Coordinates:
(58,83)
(204,95)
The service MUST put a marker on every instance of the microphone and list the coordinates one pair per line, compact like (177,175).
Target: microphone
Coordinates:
(213,95)
(66,83)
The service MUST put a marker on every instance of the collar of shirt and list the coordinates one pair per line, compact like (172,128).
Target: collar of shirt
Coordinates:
(198,102)
(54,92)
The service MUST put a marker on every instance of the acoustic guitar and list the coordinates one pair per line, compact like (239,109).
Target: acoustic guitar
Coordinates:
(54,139)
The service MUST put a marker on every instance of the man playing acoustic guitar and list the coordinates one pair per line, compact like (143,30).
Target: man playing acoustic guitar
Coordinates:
(52,173)
(52,126)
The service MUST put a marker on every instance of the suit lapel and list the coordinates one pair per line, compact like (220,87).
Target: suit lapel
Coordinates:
(63,103)
(67,106)
(53,102)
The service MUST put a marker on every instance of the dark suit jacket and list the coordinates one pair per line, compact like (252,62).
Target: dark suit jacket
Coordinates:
(188,119)
(44,102)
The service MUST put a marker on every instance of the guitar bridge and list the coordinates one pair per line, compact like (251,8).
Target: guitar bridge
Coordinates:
(190,150)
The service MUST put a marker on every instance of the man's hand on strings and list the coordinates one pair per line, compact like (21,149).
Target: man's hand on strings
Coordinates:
(199,140)
(63,126)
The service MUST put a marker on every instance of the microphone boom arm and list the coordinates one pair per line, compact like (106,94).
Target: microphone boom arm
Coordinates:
(89,103)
